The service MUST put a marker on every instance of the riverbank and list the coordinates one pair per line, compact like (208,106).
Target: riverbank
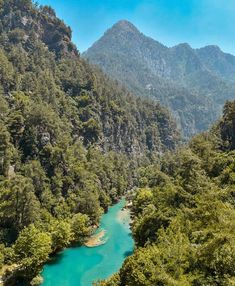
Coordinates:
(96,239)
(6,272)
(123,216)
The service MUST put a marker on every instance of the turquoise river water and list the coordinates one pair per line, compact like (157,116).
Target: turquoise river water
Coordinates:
(81,266)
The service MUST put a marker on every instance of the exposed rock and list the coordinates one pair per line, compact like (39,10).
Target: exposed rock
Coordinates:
(45,138)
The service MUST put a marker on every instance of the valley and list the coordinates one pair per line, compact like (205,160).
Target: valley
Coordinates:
(128,120)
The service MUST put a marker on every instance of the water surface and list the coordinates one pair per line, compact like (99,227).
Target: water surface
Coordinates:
(81,266)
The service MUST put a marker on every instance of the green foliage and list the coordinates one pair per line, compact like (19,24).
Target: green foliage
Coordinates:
(6,71)
(144,198)
(184,217)
(32,248)
(16,36)
(227,126)
(70,140)
(2,248)
(6,150)
(68,136)
(80,226)
(61,235)
(19,206)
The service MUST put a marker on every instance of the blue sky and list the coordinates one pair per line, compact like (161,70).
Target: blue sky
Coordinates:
(198,22)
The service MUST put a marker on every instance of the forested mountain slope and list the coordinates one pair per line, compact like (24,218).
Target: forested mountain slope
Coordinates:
(66,131)
(184,215)
(194,84)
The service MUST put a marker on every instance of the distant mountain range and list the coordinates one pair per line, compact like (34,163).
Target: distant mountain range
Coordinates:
(193,83)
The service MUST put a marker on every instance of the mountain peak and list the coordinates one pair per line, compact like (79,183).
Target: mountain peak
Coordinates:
(125,26)
(212,48)
(184,46)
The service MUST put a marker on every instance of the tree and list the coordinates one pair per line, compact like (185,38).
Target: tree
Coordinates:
(142,199)
(6,71)
(16,126)
(19,206)
(80,225)
(47,10)
(32,249)
(6,150)
(227,126)
(61,235)
(36,173)
(16,35)
(2,248)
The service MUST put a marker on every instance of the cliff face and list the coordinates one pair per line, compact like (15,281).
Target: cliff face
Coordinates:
(23,20)
(194,84)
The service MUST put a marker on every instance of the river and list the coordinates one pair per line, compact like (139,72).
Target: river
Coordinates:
(81,266)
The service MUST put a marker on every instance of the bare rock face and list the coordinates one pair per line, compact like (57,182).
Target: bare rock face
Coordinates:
(11,171)
(51,30)
(45,138)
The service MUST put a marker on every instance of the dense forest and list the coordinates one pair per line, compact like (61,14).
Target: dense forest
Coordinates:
(193,83)
(184,215)
(73,141)
(70,140)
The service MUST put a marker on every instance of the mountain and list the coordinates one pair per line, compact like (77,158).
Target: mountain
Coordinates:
(193,83)
(70,140)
